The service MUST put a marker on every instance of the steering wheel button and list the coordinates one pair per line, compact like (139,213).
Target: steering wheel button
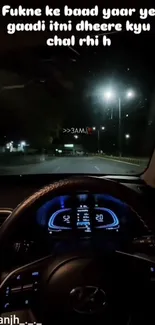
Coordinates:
(15,280)
(28,287)
(16,289)
(7,291)
(6,305)
(26,302)
(35,273)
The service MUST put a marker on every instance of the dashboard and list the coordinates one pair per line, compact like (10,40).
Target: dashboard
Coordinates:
(86,213)
(50,228)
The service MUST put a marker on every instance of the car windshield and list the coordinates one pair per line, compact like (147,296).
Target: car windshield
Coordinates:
(71,109)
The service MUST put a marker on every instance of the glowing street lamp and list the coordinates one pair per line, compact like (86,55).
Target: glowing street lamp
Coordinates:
(127,136)
(23,143)
(98,134)
(109,95)
(130,94)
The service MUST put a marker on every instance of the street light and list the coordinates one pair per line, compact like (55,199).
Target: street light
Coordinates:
(23,143)
(127,136)
(76,136)
(130,94)
(109,95)
(98,135)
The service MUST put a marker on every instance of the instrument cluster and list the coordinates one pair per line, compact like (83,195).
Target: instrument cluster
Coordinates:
(85,213)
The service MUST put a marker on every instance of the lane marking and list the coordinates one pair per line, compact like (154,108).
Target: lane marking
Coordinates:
(57,168)
(120,161)
(97,168)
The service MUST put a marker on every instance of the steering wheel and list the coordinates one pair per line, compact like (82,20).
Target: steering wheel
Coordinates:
(77,286)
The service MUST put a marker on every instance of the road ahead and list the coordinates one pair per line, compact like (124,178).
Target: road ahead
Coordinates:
(86,165)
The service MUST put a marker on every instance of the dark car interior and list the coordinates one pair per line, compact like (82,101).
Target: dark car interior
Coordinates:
(56,242)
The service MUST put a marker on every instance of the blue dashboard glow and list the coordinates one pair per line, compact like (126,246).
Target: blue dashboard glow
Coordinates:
(57,213)
(62,201)
(51,224)
(109,198)
(82,197)
(115,222)
(43,210)
(83,223)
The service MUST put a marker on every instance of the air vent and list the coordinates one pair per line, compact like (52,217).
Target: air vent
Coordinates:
(4,213)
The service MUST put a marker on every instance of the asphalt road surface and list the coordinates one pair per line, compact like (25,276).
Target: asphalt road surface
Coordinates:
(85,165)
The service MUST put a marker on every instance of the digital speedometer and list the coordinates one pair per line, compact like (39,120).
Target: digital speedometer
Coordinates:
(105,219)
(60,220)
(82,213)
(83,218)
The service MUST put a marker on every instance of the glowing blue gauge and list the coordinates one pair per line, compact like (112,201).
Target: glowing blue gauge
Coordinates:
(43,211)
(100,219)
(60,220)
(107,197)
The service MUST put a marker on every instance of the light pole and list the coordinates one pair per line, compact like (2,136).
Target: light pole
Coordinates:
(108,96)
(98,140)
(119,126)
(98,136)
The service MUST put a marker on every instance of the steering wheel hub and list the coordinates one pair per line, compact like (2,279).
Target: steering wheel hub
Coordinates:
(88,299)
(85,287)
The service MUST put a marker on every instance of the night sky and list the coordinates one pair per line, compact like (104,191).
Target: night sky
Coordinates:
(65,87)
